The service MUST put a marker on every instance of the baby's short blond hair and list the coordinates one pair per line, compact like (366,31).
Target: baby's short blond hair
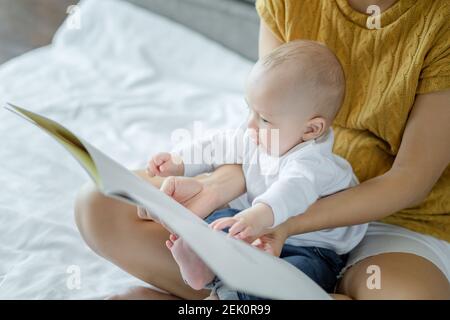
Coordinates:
(318,68)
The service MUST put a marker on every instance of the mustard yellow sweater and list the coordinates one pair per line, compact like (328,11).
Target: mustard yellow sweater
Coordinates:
(385,68)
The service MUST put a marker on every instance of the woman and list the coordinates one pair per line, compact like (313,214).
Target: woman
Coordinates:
(393,128)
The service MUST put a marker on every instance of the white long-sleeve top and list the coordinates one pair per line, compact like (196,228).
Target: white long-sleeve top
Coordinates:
(289,184)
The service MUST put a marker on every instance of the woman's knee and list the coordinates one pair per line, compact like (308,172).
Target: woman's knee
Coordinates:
(87,203)
(94,215)
(395,276)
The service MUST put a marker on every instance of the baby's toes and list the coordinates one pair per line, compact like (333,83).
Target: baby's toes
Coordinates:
(169,244)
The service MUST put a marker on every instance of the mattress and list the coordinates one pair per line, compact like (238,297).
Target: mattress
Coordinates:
(125,81)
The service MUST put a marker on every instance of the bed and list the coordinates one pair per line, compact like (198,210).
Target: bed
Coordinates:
(124,82)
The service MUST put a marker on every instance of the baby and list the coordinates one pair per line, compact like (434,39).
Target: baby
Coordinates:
(293,95)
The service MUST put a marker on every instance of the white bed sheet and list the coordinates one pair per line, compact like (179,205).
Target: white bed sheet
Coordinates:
(124,81)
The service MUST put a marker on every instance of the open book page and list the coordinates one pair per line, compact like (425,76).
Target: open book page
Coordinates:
(238,264)
(63,136)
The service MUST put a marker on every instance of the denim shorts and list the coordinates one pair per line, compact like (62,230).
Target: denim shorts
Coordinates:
(321,265)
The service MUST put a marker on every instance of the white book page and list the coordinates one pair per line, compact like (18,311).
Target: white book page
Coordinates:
(236,263)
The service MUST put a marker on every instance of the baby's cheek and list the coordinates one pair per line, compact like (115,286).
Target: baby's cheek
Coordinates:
(288,141)
(264,145)
(272,142)
(253,134)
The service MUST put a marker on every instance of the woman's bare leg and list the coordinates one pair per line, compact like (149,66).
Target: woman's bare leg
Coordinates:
(402,276)
(113,230)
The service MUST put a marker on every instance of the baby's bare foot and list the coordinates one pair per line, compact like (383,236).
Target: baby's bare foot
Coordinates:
(193,270)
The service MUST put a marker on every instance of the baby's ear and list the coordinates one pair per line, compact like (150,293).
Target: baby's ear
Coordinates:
(314,128)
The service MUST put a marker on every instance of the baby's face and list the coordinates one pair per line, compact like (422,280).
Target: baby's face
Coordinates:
(278,111)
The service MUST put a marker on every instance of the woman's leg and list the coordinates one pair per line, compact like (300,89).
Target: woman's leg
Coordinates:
(113,230)
(402,276)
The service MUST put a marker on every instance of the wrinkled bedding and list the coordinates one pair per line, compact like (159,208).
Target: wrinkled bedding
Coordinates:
(124,82)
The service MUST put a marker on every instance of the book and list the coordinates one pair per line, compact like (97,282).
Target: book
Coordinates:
(238,264)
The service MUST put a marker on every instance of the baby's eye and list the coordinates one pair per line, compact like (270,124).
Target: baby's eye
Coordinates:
(264,120)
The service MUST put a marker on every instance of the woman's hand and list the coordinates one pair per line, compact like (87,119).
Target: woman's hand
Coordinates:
(193,193)
(272,242)
(204,194)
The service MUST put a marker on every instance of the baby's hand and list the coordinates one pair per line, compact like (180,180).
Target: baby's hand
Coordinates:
(240,227)
(248,224)
(165,164)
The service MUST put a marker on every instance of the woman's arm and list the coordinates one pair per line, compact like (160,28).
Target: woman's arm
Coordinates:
(223,185)
(267,40)
(423,155)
